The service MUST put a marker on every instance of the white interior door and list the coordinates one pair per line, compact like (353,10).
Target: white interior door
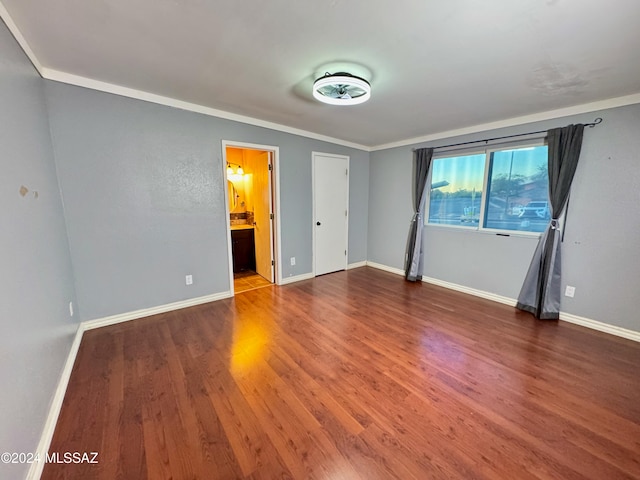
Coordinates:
(331,208)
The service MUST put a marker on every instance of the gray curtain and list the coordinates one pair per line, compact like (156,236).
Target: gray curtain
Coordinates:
(540,293)
(414,256)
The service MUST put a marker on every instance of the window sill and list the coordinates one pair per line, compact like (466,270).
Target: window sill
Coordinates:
(486,231)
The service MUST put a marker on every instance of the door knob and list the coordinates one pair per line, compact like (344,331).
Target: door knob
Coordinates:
(318,223)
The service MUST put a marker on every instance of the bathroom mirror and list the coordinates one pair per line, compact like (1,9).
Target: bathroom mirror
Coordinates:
(233,196)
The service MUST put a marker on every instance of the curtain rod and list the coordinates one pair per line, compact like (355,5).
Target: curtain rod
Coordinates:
(597,121)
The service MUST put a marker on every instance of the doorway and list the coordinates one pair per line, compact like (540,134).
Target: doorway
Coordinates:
(330,212)
(252,193)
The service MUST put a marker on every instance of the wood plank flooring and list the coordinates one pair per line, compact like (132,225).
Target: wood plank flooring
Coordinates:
(248,281)
(353,375)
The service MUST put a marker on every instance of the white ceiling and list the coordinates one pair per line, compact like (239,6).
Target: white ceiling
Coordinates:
(434,65)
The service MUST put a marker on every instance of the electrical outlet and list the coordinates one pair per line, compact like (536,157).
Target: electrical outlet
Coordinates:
(71,309)
(293,261)
(188,279)
(569,291)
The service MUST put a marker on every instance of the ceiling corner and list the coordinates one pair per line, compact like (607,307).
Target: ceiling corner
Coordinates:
(17,34)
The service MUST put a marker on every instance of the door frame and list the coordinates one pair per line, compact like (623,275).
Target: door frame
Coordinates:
(314,156)
(274,151)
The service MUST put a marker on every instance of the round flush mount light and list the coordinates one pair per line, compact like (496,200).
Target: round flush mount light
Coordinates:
(341,89)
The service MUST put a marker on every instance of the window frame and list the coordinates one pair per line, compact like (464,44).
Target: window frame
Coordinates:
(486,151)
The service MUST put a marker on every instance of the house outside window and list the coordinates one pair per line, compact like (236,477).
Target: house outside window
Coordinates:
(495,189)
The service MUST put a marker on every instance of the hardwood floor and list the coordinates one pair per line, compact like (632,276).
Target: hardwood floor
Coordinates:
(353,375)
(248,281)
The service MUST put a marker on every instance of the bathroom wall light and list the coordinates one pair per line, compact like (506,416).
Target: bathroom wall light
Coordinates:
(239,170)
(341,89)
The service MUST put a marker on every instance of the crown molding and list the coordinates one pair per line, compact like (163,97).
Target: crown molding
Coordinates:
(15,31)
(85,82)
(515,121)
(63,77)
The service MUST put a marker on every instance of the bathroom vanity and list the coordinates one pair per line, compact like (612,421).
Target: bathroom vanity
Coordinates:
(243,246)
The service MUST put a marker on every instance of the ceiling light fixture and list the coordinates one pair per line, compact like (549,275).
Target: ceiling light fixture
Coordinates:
(341,89)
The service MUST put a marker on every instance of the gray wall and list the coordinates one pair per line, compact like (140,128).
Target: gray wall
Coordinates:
(600,249)
(36,331)
(144,195)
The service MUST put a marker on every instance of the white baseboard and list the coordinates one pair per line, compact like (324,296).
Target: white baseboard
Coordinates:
(35,471)
(471,291)
(451,286)
(601,327)
(357,265)
(565,317)
(147,312)
(296,278)
(380,266)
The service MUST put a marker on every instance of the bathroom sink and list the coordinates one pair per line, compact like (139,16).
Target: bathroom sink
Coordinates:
(241,226)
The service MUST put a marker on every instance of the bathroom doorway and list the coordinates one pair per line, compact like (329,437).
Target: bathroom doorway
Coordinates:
(252,193)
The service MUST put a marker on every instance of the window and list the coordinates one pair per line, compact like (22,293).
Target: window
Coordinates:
(498,189)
